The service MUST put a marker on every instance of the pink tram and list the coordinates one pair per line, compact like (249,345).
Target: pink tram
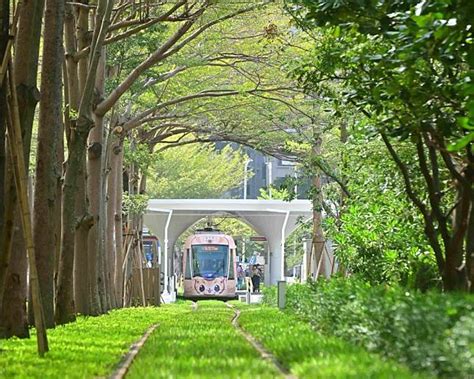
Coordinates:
(209,265)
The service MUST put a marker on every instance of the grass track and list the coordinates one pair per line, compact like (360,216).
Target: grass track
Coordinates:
(199,344)
(192,344)
(88,348)
(310,355)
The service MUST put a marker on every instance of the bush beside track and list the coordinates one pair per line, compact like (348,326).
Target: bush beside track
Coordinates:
(431,333)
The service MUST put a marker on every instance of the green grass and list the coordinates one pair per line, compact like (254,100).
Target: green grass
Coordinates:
(311,355)
(192,344)
(88,348)
(199,344)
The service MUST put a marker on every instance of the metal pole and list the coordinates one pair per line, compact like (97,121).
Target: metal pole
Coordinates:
(304,267)
(281,294)
(270,179)
(245,176)
(296,184)
(283,238)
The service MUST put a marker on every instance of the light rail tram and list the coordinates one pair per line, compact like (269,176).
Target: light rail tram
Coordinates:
(209,265)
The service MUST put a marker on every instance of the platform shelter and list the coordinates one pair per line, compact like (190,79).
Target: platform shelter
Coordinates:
(273,219)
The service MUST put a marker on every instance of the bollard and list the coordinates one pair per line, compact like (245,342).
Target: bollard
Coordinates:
(281,294)
(247,297)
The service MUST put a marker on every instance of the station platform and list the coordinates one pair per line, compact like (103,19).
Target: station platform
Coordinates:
(255,298)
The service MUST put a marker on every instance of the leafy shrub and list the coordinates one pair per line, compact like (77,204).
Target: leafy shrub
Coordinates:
(379,236)
(430,332)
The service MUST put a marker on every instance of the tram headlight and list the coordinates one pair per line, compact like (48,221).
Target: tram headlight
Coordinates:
(217,288)
(201,288)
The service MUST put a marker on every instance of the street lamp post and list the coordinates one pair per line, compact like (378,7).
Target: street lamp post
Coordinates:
(270,179)
(245,176)
(296,183)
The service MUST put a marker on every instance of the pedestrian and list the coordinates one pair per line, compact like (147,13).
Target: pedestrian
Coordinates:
(248,279)
(256,276)
(240,277)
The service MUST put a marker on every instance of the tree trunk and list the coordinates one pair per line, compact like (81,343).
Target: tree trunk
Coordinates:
(26,66)
(111,213)
(48,169)
(83,41)
(317,200)
(13,314)
(71,80)
(65,307)
(455,273)
(4,34)
(93,195)
(8,229)
(119,226)
(470,251)
(92,187)
(78,139)
(83,297)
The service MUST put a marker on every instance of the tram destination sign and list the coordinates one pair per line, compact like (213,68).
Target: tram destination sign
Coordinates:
(258,238)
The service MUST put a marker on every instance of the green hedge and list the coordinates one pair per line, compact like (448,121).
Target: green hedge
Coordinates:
(430,332)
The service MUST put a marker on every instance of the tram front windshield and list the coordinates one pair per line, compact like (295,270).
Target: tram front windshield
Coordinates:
(210,261)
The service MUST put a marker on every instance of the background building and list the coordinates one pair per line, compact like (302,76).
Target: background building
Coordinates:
(264,170)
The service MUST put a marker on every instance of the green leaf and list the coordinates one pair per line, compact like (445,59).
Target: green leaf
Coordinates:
(465,123)
(461,143)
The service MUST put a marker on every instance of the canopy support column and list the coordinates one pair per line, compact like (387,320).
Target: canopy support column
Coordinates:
(166,241)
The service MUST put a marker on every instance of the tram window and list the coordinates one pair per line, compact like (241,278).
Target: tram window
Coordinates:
(149,252)
(210,261)
(187,271)
(231,265)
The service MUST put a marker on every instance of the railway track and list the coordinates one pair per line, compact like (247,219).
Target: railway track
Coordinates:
(265,354)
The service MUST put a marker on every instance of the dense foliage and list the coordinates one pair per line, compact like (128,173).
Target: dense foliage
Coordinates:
(195,172)
(432,332)
(379,235)
(406,67)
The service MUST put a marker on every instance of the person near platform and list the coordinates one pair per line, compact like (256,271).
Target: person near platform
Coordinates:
(256,276)
(240,277)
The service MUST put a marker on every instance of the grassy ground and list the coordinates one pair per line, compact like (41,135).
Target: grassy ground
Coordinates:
(311,355)
(191,344)
(199,344)
(88,348)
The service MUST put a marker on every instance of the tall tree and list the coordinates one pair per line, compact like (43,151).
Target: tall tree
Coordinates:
(4,37)
(65,309)
(407,66)
(27,44)
(48,168)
